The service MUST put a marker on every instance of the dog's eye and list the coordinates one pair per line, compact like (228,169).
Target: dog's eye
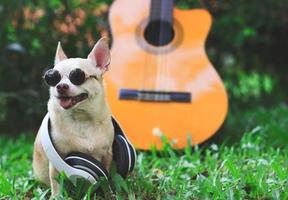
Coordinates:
(77,76)
(52,77)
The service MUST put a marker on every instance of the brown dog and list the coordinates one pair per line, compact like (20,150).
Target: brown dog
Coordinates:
(80,116)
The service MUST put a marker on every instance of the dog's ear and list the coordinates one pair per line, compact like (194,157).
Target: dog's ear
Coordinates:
(100,55)
(60,55)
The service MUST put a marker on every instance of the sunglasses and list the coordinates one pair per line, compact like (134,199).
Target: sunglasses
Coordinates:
(77,76)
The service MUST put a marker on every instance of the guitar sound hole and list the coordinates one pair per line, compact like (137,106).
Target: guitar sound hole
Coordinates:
(159,33)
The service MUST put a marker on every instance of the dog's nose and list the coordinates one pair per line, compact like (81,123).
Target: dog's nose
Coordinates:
(62,88)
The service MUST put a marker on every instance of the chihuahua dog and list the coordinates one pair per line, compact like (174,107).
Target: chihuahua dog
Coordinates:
(79,113)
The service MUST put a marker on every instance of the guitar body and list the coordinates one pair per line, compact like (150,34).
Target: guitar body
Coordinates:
(182,65)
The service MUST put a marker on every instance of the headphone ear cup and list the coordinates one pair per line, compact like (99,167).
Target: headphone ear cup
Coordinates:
(133,154)
(87,163)
(120,156)
(127,149)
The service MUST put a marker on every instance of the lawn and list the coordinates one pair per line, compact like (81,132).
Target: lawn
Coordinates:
(251,168)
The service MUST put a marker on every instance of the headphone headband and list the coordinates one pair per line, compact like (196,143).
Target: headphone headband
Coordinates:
(55,159)
(81,165)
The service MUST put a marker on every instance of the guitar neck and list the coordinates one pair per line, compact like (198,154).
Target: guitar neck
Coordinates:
(161,10)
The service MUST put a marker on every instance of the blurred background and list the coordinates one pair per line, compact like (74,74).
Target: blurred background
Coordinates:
(247,44)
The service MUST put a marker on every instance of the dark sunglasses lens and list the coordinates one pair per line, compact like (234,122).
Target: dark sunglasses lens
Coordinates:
(52,77)
(77,76)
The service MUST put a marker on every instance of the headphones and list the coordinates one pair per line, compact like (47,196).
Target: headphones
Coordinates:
(77,164)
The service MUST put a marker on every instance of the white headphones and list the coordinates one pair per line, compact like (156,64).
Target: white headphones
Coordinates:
(78,164)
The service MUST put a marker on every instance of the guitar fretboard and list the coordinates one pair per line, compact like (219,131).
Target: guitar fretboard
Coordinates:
(162,10)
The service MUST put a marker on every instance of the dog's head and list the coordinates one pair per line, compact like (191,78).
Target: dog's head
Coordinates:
(75,81)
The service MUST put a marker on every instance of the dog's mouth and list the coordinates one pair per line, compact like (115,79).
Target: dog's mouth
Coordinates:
(67,102)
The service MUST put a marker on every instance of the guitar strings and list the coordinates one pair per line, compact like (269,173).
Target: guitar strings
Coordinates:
(160,75)
(164,57)
(159,55)
(147,66)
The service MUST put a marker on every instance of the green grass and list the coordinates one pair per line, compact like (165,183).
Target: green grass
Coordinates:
(251,168)
(248,170)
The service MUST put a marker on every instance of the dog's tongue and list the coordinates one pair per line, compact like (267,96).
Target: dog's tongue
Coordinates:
(66,103)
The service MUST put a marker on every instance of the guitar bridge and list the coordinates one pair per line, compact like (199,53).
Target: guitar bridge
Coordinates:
(151,95)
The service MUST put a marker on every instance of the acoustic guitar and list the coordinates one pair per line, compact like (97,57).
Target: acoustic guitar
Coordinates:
(161,82)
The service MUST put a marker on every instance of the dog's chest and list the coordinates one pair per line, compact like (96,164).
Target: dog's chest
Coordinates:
(93,139)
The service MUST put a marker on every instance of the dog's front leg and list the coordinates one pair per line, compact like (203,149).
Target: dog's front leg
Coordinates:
(55,187)
(107,159)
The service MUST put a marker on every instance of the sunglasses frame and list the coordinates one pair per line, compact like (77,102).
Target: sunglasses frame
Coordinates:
(86,77)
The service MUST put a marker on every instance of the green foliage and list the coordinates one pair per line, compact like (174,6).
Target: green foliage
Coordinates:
(248,38)
(272,122)
(248,170)
(250,85)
